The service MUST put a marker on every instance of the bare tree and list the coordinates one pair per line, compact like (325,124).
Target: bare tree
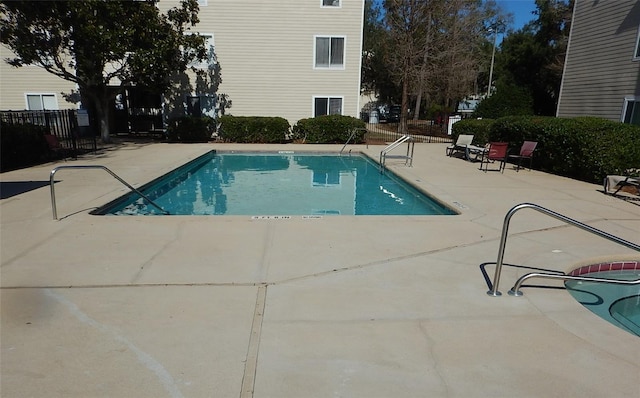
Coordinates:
(464,24)
(433,48)
(405,21)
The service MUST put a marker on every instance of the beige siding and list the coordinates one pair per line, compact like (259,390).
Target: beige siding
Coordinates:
(600,70)
(266,51)
(15,83)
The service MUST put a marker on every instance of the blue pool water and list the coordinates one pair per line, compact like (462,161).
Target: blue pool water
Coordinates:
(618,304)
(283,183)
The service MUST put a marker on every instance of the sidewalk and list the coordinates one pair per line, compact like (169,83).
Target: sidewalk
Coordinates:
(352,306)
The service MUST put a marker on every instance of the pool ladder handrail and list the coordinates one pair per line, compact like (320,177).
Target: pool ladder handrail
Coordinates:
(408,157)
(515,290)
(503,241)
(353,133)
(53,193)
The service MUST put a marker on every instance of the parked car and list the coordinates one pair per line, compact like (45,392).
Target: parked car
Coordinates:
(389,113)
(394,114)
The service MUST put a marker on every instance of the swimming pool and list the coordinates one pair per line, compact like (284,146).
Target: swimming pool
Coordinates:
(617,304)
(282,183)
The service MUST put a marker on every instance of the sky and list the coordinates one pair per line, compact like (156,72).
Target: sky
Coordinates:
(521,10)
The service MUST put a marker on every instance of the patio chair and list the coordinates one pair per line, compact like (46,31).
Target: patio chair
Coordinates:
(618,183)
(497,151)
(461,144)
(526,153)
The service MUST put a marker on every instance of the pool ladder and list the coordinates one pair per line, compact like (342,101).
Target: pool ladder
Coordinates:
(384,154)
(353,133)
(515,290)
(53,193)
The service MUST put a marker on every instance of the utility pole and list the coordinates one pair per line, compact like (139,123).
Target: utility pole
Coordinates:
(493,57)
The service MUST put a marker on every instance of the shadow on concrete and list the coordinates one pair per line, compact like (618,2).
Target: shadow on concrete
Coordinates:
(13,188)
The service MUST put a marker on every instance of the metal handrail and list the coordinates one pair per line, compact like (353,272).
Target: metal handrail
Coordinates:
(515,290)
(53,193)
(353,133)
(505,229)
(394,145)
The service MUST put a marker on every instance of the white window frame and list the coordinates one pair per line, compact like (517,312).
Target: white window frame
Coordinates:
(55,98)
(209,43)
(344,52)
(636,50)
(203,3)
(627,102)
(202,99)
(326,183)
(328,98)
(339,5)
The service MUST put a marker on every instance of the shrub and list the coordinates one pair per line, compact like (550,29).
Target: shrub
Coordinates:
(508,100)
(253,129)
(584,148)
(329,129)
(190,129)
(479,128)
(606,147)
(21,145)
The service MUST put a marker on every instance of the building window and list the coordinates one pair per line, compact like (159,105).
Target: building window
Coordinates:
(201,105)
(202,3)
(636,54)
(327,106)
(631,112)
(330,3)
(211,54)
(39,102)
(329,52)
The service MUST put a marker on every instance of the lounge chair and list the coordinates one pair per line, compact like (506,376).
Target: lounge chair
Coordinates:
(616,182)
(477,151)
(497,151)
(461,144)
(526,153)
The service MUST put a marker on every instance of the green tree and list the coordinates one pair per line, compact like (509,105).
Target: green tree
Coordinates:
(533,57)
(508,100)
(375,76)
(100,43)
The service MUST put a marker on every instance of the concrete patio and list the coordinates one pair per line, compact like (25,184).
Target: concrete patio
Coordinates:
(338,306)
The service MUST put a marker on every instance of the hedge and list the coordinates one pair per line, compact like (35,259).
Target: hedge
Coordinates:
(329,129)
(585,148)
(190,129)
(253,129)
(478,128)
(22,145)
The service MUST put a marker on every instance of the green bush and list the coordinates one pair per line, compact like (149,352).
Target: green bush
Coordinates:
(508,100)
(478,128)
(190,129)
(253,129)
(329,129)
(604,147)
(584,148)
(22,145)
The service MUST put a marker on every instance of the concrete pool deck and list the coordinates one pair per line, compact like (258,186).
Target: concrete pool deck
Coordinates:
(340,306)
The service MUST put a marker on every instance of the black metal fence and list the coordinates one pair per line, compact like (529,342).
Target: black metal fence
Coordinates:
(61,123)
(420,130)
